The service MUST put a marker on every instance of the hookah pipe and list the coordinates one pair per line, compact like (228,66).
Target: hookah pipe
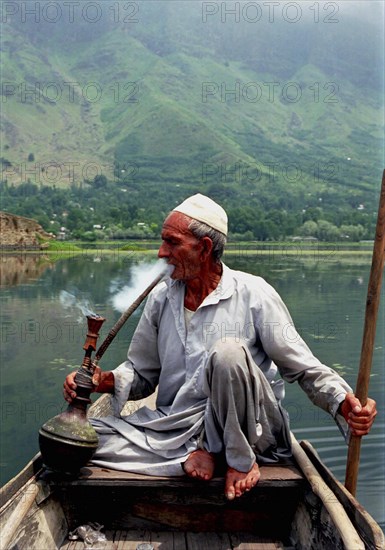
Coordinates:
(68,440)
(123,318)
(83,376)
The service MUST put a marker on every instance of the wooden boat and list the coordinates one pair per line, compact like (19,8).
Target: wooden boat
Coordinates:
(294,506)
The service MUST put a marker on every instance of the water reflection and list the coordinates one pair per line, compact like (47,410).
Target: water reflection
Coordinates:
(16,270)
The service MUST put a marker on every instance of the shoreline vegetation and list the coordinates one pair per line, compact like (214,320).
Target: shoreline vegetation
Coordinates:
(275,259)
(337,251)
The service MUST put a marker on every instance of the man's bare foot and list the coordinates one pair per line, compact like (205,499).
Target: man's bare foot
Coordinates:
(239,482)
(200,464)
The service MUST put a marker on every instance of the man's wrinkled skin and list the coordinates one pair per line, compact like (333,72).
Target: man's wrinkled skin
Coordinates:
(359,418)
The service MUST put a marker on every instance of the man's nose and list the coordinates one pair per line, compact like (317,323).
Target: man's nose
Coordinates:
(162,252)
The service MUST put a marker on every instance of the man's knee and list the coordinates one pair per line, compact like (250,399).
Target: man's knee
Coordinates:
(227,355)
(230,360)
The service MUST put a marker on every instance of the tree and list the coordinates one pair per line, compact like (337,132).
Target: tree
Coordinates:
(352,233)
(327,231)
(89,236)
(309,229)
(100,181)
(312,214)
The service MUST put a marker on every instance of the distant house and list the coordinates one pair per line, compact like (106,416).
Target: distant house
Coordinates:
(62,234)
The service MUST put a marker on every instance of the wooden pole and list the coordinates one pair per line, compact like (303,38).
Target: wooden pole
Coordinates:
(372,303)
(23,507)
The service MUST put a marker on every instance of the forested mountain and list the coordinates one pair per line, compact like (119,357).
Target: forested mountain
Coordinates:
(124,107)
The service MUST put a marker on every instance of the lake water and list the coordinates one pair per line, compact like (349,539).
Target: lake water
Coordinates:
(42,341)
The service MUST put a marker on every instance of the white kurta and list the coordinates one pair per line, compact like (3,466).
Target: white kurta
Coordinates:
(164,353)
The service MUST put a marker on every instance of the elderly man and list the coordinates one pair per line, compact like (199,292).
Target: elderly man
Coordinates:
(212,340)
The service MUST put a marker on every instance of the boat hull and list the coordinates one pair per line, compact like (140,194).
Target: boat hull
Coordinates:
(40,507)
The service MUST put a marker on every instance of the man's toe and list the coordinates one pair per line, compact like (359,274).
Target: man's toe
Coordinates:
(230,494)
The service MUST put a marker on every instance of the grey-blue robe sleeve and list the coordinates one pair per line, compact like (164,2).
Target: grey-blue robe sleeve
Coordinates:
(296,363)
(138,376)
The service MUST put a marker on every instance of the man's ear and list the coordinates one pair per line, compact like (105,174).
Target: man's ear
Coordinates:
(207,246)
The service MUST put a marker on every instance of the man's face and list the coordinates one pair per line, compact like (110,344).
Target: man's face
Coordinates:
(180,248)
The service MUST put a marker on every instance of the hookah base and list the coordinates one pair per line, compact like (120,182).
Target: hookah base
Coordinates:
(65,455)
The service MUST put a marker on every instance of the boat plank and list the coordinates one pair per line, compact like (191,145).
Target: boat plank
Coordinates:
(280,475)
(44,525)
(129,540)
(119,539)
(27,474)
(204,518)
(187,506)
(168,540)
(208,541)
(73,545)
(367,528)
(250,541)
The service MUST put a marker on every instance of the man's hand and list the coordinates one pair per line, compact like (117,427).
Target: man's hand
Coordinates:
(69,385)
(359,418)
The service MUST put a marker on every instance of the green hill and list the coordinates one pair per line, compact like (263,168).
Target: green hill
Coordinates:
(267,116)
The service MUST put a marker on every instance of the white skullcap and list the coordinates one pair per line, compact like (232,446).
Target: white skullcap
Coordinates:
(201,208)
